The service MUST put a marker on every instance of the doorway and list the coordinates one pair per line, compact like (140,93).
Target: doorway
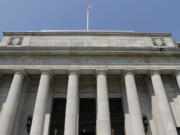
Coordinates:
(117,116)
(87,116)
(87,119)
(58,116)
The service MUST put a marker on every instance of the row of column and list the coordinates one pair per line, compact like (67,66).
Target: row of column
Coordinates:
(103,124)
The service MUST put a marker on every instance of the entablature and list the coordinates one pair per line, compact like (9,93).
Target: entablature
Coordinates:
(83,69)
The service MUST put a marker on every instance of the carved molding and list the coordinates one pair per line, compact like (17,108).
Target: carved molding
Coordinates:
(158,42)
(15,41)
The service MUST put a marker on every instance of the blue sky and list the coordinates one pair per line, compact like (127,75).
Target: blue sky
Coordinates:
(134,15)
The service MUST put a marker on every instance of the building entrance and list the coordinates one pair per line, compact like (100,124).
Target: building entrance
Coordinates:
(58,117)
(87,119)
(117,116)
(87,116)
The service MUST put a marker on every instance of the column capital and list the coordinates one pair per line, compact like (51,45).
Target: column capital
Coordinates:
(128,71)
(73,72)
(101,72)
(154,72)
(177,72)
(46,72)
(20,71)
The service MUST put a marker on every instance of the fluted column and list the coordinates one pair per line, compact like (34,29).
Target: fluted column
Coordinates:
(169,126)
(178,78)
(103,124)
(9,112)
(40,104)
(133,104)
(72,105)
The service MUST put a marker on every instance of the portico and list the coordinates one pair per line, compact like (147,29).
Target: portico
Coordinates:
(86,90)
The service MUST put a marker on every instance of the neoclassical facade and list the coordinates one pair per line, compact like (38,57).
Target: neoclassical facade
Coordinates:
(89,83)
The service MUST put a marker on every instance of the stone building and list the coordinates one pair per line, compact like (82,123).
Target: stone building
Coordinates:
(89,82)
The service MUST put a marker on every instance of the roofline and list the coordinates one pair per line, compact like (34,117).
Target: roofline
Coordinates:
(84,33)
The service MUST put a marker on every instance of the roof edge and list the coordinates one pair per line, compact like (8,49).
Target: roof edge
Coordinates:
(84,33)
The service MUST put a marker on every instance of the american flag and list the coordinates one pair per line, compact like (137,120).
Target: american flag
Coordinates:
(89,7)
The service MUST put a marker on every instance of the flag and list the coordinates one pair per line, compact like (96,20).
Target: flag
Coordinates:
(89,7)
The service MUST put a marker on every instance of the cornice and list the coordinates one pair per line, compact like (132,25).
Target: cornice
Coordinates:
(28,50)
(91,69)
(86,33)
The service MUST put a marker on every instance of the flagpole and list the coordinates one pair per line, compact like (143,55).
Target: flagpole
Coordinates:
(87,20)
(88,11)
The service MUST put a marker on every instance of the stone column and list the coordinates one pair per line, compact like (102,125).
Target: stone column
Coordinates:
(103,124)
(72,105)
(178,78)
(166,115)
(40,105)
(133,104)
(9,112)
